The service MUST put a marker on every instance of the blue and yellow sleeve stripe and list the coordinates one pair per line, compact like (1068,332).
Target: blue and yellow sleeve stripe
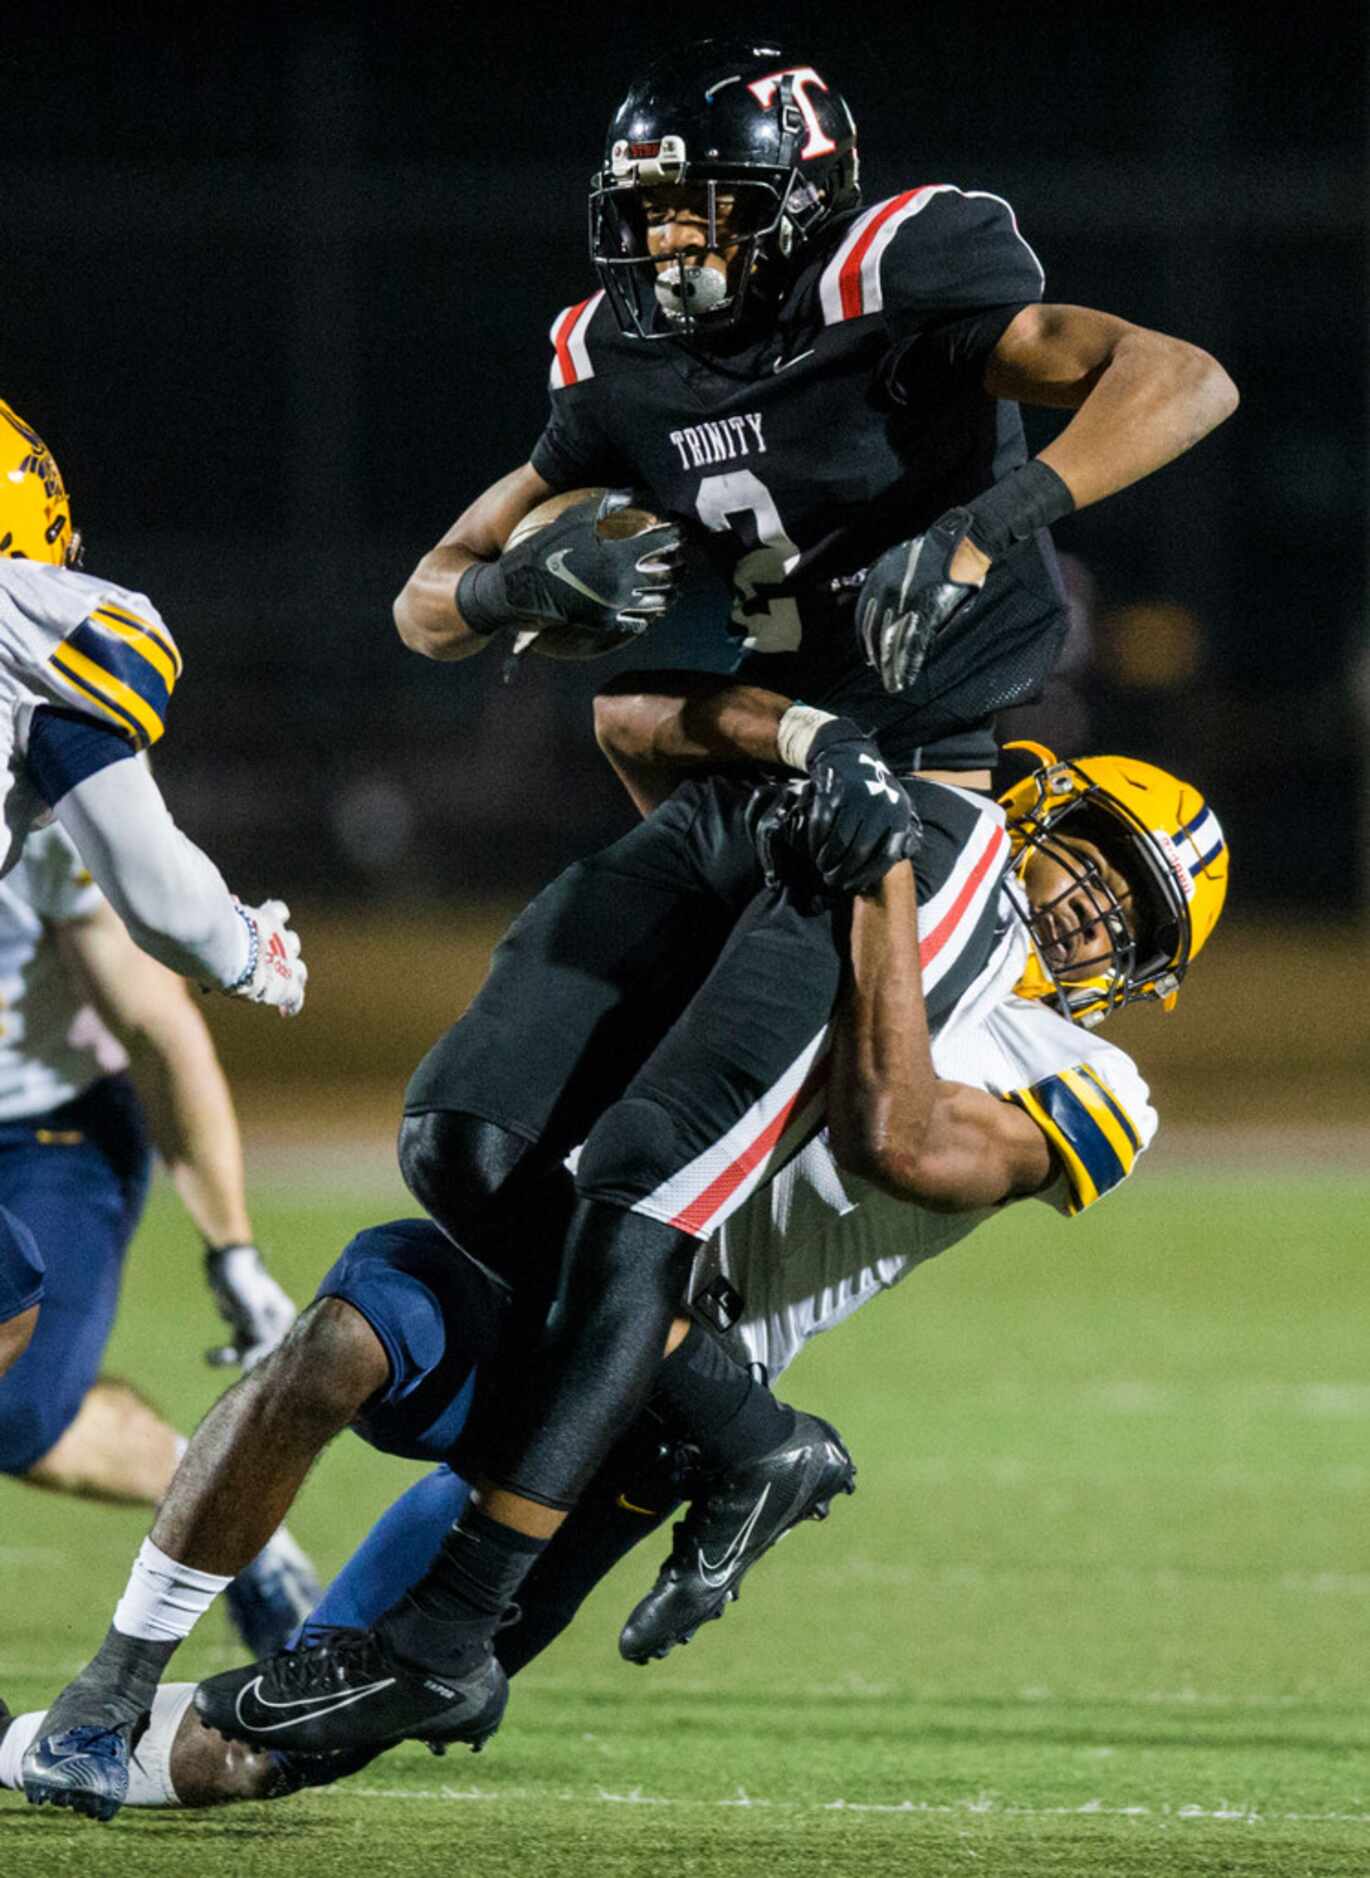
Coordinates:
(122,667)
(1085,1123)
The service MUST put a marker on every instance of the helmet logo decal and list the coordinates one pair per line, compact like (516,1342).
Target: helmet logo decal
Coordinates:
(818,143)
(1177,866)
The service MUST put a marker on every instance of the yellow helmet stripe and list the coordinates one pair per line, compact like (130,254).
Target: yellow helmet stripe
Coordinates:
(154,647)
(76,665)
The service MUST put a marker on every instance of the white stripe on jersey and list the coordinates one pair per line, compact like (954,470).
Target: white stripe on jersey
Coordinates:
(850,285)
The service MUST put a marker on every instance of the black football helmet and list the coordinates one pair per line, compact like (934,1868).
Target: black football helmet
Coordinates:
(771,147)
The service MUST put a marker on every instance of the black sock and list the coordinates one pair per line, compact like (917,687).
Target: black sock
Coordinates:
(448,1618)
(707,1399)
(116,1687)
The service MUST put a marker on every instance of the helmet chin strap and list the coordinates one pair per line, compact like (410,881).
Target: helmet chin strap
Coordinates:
(685,292)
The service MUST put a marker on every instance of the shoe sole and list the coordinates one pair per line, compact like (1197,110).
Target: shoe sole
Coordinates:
(818,1508)
(95,1806)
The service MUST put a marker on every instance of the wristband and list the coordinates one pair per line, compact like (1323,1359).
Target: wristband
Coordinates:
(796,731)
(254,949)
(481,598)
(1027,499)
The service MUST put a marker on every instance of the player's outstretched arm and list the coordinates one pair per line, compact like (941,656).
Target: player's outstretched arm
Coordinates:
(427,616)
(892,1120)
(168,892)
(191,1115)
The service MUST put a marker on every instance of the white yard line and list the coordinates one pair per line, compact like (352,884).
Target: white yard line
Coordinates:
(982,1806)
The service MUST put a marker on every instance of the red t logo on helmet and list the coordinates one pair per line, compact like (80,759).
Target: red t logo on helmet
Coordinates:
(763,90)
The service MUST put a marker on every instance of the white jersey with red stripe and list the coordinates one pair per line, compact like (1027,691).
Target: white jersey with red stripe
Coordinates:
(86,645)
(817,1243)
(847,419)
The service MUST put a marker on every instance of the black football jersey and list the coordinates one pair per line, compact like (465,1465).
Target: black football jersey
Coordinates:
(856,419)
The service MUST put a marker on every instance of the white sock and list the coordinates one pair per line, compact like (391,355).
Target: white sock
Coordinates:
(164,1600)
(149,1774)
(18,1738)
(149,1771)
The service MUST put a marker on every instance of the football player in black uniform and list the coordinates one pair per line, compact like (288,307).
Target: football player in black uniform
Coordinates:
(825,396)
(825,391)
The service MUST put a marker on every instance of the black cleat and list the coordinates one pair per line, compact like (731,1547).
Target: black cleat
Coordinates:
(345,1694)
(738,1519)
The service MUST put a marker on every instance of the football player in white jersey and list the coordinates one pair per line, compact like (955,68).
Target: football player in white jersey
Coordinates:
(104,1055)
(87,670)
(1119,877)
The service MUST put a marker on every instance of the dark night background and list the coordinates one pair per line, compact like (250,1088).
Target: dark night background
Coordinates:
(277,292)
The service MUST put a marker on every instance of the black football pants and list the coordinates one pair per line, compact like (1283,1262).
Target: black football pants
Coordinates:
(663,1011)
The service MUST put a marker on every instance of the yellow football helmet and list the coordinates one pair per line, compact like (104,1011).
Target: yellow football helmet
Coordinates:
(1092,822)
(35,514)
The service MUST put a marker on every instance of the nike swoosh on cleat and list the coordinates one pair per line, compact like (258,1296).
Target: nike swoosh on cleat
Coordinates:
(315,1708)
(715,1572)
(557,568)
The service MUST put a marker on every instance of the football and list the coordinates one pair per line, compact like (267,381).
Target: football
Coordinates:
(574,642)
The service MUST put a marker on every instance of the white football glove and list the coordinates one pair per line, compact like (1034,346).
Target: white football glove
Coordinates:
(275,973)
(251,1303)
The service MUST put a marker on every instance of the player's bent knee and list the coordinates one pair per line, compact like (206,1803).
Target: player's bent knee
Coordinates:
(327,1366)
(633,1149)
(457,1165)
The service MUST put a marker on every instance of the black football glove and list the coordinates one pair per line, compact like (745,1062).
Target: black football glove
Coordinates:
(848,825)
(907,598)
(568,574)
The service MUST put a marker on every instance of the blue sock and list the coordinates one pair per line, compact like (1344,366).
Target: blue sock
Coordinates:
(393,1556)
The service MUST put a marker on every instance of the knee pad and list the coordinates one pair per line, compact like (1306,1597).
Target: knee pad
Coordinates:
(632,1149)
(457,1166)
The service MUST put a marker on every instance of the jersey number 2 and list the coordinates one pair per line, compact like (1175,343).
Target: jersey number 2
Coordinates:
(771,625)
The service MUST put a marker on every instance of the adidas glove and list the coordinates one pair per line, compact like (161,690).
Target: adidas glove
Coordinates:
(258,1313)
(275,973)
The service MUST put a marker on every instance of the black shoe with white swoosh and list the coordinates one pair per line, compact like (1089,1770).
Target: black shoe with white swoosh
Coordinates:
(737,1519)
(345,1694)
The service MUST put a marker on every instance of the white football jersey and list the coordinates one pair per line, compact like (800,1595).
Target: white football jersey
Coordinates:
(817,1244)
(52,1044)
(71,639)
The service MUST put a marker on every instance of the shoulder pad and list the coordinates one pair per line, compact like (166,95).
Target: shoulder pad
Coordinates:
(572,363)
(967,252)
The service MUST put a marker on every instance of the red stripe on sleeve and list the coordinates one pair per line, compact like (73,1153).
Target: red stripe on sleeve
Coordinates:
(849,280)
(569,320)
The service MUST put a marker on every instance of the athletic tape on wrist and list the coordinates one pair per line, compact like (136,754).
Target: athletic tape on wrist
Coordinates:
(1027,499)
(795,732)
(482,600)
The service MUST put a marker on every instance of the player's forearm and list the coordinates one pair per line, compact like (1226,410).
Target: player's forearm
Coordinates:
(1152,400)
(656,727)
(193,1122)
(169,894)
(882,1083)
(427,616)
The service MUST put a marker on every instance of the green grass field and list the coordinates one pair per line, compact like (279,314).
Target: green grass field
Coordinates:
(1098,1606)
